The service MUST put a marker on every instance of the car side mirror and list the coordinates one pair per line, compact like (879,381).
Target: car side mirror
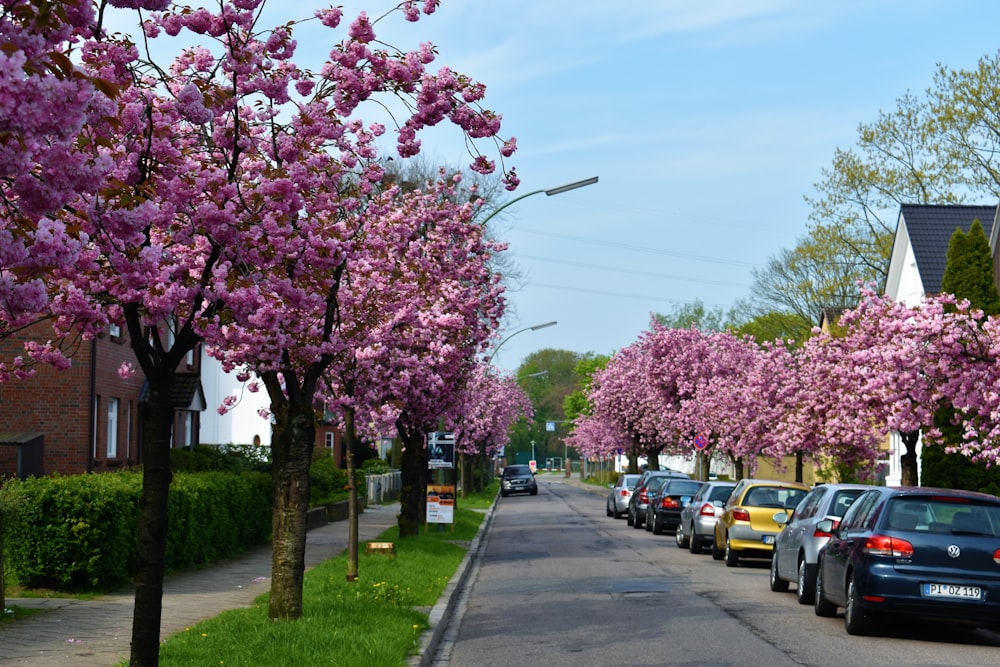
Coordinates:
(780,518)
(825,526)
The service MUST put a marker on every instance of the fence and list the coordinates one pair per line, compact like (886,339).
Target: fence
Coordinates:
(385,487)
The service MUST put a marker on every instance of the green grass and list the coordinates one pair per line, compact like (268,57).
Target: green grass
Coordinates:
(376,620)
(11,614)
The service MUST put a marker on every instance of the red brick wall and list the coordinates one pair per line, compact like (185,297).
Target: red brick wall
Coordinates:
(59,404)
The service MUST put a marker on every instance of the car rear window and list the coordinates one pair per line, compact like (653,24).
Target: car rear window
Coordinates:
(943,515)
(689,488)
(720,493)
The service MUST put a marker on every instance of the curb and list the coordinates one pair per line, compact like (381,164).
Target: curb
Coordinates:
(441,613)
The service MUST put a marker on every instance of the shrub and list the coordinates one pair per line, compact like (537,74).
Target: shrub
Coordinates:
(328,483)
(375,467)
(81,531)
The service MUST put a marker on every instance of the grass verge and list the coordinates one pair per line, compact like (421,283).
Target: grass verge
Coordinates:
(376,620)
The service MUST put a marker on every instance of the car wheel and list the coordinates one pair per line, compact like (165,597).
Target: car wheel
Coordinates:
(608,509)
(680,538)
(694,542)
(732,558)
(534,492)
(778,585)
(636,523)
(806,582)
(856,620)
(717,552)
(615,513)
(657,526)
(821,605)
(504,494)
(629,519)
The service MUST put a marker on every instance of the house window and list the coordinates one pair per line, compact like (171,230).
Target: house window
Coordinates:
(112,428)
(115,331)
(329,440)
(93,426)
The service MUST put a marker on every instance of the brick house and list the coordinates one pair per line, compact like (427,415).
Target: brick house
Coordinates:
(87,418)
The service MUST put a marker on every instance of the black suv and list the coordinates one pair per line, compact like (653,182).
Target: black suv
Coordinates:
(518,479)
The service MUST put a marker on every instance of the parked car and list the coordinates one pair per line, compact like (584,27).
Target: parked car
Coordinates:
(620,493)
(663,512)
(697,525)
(518,479)
(914,551)
(747,528)
(797,546)
(636,512)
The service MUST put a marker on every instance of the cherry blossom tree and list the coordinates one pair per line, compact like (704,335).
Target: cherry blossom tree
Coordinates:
(229,174)
(489,405)
(623,400)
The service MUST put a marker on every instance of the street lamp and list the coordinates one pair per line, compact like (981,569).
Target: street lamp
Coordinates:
(551,191)
(534,328)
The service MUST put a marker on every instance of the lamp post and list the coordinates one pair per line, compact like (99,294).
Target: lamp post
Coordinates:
(548,193)
(532,328)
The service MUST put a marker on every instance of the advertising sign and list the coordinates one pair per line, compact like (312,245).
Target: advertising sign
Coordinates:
(441,450)
(440,504)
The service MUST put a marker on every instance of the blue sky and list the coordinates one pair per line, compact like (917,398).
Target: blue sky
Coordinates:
(707,122)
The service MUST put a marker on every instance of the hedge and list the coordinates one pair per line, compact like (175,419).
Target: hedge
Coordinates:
(80,532)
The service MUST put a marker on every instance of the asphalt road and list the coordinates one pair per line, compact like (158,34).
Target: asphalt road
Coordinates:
(559,583)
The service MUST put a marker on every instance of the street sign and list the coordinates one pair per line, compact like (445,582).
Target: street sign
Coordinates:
(700,442)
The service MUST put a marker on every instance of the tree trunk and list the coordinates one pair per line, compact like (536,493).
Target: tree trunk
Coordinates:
(157,424)
(350,441)
(799,467)
(908,461)
(738,468)
(292,444)
(413,471)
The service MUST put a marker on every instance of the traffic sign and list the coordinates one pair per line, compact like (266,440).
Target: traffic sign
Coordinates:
(700,442)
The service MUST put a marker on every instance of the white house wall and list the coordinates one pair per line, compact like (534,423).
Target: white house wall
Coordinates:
(902,284)
(243,423)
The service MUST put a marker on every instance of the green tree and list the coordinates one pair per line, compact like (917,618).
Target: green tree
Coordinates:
(576,403)
(795,285)
(968,274)
(776,324)
(547,376)
(693,314)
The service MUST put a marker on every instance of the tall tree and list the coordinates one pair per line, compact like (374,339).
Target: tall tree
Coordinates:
(214,195)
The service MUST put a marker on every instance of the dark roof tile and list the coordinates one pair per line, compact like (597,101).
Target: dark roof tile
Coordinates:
(930,228)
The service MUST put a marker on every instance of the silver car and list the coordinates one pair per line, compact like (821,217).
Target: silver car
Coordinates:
(797,546)
(697,527)
(620,493)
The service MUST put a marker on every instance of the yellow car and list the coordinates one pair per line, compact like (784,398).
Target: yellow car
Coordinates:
(746,527)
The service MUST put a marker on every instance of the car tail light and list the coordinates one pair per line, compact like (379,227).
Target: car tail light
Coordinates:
(996,556)
(625,493)
(884,545)
(643,496)
(741,514)
(708,509)
(670,503)
(819,533)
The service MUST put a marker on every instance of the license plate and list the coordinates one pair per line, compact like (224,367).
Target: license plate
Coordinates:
(952,591)
(768,539)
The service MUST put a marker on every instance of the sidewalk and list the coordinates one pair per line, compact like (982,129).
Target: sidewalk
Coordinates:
(97,633)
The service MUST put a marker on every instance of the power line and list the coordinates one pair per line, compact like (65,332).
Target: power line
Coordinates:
(634,272)
(627,246)
(621,295)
